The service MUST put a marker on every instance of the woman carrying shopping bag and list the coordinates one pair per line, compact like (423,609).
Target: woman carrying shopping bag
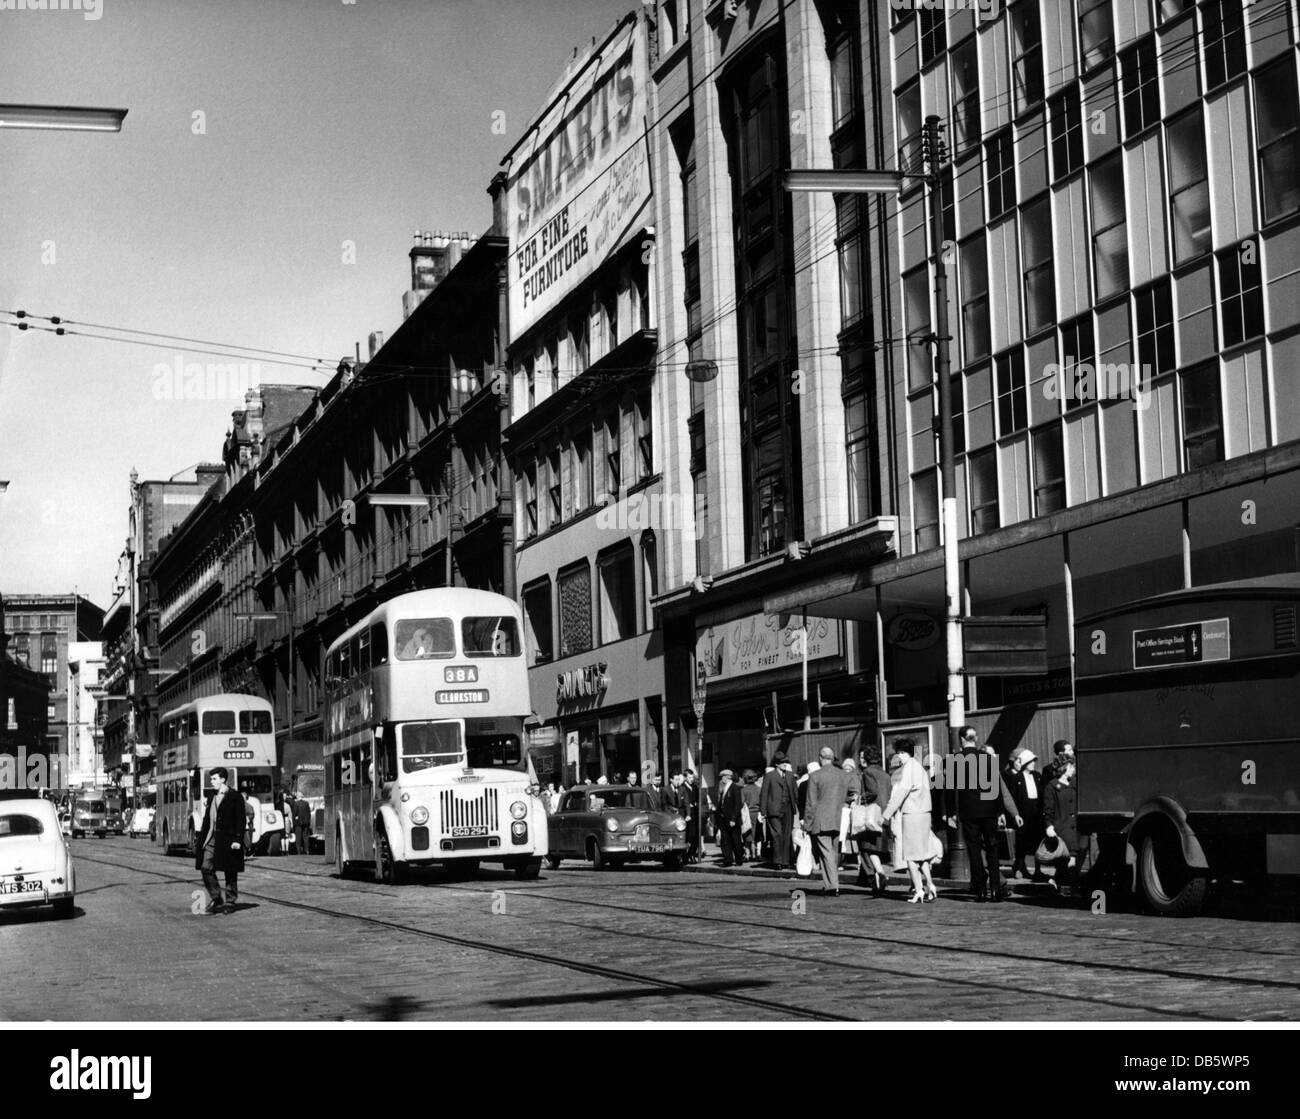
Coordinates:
(909,802)
(1062,846)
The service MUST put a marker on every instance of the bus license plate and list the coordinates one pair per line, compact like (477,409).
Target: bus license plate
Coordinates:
(477,829)
(31,886)
(648,847)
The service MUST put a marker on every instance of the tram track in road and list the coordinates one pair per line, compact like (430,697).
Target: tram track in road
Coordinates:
(893,938)
(708,992)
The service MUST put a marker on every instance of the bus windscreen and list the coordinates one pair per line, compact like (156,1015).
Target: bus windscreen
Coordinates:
(255,722)
(493,751)
(425,745)
(218,722)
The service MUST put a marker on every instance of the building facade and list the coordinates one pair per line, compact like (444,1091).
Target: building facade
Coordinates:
(86,762)
(24,715)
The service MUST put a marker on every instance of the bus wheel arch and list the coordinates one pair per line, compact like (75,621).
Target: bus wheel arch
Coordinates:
(1171,868)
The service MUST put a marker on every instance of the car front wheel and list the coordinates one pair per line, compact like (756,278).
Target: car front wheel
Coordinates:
(599,860)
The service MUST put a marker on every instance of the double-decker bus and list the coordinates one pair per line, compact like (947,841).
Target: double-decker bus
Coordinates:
(230,730)
(1188,722)
(424,755)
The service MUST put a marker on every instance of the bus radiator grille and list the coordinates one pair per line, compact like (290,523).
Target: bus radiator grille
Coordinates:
(477,810)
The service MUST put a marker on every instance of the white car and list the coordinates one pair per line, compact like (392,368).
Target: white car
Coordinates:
(141,823)
(35,863)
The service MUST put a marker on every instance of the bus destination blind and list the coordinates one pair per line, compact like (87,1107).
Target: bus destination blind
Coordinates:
(1189,643)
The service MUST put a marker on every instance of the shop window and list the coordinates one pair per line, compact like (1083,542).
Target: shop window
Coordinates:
(1223,37)
(1189,187)
(1141,81)
(1240,294)
(537,621)
(1202,415)
(617,588)
(1277,128)
(1067,133)
(575,610)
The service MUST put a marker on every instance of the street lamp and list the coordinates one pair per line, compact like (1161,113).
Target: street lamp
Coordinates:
(62,118)
(892,182)
(419,501)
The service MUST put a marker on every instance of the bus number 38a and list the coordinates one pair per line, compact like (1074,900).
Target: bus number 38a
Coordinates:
(460,674)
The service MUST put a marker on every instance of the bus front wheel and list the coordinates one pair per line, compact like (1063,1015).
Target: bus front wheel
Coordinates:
(529,870)
(1169,885)
(387,869)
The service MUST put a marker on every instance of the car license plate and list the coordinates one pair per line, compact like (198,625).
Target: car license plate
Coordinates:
(647,847)
(31,886)
(477,829)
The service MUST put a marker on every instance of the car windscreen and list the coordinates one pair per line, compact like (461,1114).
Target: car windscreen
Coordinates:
(255,722)
(218,722)
(19,824)
(494,751)
(623,798)
(495,636)
(425,745)
(421,638)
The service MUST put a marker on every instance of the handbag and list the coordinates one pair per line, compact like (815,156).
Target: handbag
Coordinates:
(1051,849)
(936,848)
(746,821)
(803,864)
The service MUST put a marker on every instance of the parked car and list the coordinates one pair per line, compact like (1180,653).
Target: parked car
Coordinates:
(141,823)
(35,862)
(609,825)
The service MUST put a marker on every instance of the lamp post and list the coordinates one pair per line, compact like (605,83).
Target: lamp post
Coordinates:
(892,182)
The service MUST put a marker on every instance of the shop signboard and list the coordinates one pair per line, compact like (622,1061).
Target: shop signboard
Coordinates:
(762,643)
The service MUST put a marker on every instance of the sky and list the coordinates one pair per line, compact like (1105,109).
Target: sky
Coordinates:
(276,157)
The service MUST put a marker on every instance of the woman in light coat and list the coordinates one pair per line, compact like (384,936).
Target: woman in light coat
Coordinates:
(910,802)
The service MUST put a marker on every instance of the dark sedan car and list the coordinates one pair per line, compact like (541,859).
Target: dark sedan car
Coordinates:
(609,825)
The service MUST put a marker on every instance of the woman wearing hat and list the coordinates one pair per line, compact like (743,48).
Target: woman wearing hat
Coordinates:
(910,802)
(1060,814)
(1026,786)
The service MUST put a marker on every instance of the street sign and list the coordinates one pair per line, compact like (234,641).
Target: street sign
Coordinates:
(1012,645)
(1190,643)
(697,702)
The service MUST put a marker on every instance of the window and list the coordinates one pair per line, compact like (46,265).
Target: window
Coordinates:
(22,650)
(530,501)
(844,78)
(983,470)
(613,454)
(537,621)
(423,638)
(1224,39)
(925,510)
(426,745)
(858,446)
(1240,294)
(491,635)
(1078,386)
(583,471)
(1000,166)
(1096,41)
(1036,255)
(255,722)
(1026,55)
(965,95)
(1067,133)
(1277,133)
(1049,470)
(1202,415)
(1167,10)
(218,722)
(916,297)
(1013,407)
(849,249)
(649,578)
(644,437)
(909,127)
(975,298)
(575,610)
(1141,86)
(1109,230)
(1189,188)
(700,492)
(554,489)
(617,587)
(934,33)
(50,657)
(1155,323)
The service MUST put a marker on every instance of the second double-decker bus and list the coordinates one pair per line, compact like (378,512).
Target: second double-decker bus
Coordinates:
(230,730)
(1188,719)
(425,762)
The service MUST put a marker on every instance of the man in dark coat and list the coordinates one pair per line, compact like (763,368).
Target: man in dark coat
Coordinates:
(690,794)
(301,824)
(219,844)
(727,817)
(981,797)
(777,801)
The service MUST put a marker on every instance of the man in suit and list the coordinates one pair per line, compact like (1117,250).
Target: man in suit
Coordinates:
(655,790)
(672,798)
(777,801)
(982,796)
(727,817)
(301,825)
(690,795)
(828,793)
(219,845)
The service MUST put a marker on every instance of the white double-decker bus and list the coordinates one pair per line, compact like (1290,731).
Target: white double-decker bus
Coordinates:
(230,730)
(425,764)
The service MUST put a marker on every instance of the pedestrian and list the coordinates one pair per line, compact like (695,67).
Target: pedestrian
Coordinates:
(656,791)
(631,777)
(778,803)
(751,794)
(728,816)
(827,794)
(301,824)
(909,800)
(981,800)
(1060,815)
(1062,751)
(848,848)
(218,846)
(874,788)
(1024,781)
(250,818)
(672,801)
(691,798)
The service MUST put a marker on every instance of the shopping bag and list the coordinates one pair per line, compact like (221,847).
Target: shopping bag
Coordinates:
(867,818)
(803,864)
(746,820)
(936,848)
(1051,849)
(845,819)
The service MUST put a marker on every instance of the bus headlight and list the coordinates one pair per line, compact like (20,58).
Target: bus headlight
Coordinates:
(419,815)
(519,810)
(611,824)
(680,824)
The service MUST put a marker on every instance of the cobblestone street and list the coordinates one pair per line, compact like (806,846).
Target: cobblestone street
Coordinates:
(632,945)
